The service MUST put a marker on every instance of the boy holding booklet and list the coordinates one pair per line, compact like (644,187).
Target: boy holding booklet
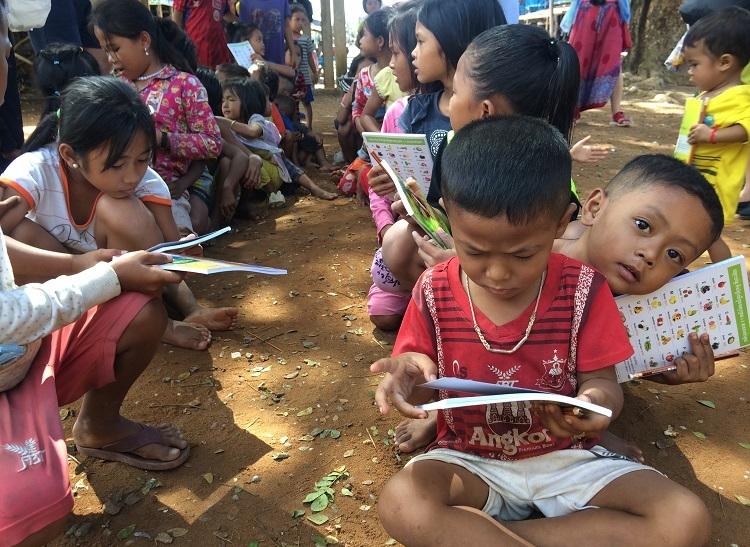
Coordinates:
(508,310)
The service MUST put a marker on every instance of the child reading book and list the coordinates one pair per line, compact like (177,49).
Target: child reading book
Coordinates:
(507,309)
(716,49)
(655,216)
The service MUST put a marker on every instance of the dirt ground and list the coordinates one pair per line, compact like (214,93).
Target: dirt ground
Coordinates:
(253,405)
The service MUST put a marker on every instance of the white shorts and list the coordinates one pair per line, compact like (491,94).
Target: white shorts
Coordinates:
(556,484)
(181,213)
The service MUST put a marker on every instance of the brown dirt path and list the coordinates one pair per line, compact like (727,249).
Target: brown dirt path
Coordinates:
(238,412)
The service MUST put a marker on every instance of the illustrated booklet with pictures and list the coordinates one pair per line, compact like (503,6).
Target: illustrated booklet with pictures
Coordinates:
(203,265)
(713,299)
(408,155)
(432,220)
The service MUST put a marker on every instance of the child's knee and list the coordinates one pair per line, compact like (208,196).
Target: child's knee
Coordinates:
(387,323)
(151,320)
(691,512)
(399,249)
(123,214)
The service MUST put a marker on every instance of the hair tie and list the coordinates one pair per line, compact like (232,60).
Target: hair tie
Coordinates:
(553,46)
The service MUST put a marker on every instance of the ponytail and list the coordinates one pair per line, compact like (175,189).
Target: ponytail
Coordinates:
(44,134)
(129,18)
(536,74)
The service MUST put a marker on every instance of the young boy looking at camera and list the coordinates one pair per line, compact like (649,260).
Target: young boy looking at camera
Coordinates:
(507,309)
(717,49)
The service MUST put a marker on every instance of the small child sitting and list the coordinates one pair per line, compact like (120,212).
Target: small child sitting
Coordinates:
(717,49)
(508,310)
(309,146)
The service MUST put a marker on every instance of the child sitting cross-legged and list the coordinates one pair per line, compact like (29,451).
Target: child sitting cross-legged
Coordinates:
(502,311)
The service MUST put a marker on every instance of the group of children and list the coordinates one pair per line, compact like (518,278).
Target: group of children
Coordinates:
(529,279)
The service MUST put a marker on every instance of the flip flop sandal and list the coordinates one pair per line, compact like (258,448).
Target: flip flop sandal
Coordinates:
(620,119)
(121,451)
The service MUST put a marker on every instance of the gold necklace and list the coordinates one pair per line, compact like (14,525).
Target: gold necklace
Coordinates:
(522,341)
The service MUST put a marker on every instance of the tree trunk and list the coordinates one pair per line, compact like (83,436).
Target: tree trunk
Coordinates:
(655,26)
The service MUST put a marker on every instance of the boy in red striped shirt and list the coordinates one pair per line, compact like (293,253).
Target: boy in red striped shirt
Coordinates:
(508,310)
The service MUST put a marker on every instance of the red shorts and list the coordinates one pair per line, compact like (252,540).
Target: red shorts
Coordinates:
(34,483)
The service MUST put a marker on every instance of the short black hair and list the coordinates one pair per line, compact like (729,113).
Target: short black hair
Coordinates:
(233,70)
(294,8)
(724,31)
(516,166)
(669,172)
(251,93)
(213,88)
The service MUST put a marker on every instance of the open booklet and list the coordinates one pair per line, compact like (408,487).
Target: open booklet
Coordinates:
(488,394)
(429,218)
(203,265)
(407,154)
(713,300)
(243,53)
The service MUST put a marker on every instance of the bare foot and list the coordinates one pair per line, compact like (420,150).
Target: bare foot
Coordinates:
(412,435)
(612,442)
(214,318)
(184,335)
(318,192)
(87,433)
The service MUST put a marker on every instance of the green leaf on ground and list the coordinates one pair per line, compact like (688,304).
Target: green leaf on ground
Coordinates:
(320,503)
(705,402)
(700,435)
(297,513)
(305,412)
(745,445)
(317,518)
(743,500)
(125,533)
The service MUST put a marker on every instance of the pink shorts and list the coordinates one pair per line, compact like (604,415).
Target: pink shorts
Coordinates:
(34,483)
(380,302)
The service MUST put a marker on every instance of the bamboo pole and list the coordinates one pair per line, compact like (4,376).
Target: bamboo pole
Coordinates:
(325,24)
(339,35)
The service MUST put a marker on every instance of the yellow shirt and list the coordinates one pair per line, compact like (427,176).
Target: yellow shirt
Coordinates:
(387,87)
(724,164)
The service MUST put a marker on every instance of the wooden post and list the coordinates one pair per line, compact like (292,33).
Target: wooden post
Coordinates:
(325,27)
(552,24)
(339,35)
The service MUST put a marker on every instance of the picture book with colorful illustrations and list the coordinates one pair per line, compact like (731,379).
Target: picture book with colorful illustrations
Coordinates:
(187,243)
(695,111)
(202,265)
(430,219)
(487,394)
(711,300)
(407,154)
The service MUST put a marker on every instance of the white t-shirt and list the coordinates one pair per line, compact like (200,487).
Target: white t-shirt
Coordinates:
(37,176)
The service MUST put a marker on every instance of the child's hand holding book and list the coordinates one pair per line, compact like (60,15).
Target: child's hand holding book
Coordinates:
(563,423)
(403,374)
(136,272)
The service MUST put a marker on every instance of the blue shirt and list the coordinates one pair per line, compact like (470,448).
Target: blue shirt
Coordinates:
(270,16)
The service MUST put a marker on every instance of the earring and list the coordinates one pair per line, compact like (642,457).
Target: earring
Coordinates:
(74,166)
(146,51)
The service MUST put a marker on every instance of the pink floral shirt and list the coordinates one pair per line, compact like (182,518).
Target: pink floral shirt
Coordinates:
(179,104)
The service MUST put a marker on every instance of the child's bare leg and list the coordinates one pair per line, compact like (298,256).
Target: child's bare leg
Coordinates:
(413,434)
(422,506)
(314,189)
(199,215)
(387,323)
(400,254)
(639,508)
(309,115)
(320,156)
(99,422)
(719,251)
(211,318)
(116,220)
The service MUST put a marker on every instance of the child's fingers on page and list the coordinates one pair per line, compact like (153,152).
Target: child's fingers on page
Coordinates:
(381,394)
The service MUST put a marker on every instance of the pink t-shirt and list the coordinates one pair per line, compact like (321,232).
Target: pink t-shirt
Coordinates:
(365,85)
(380,206)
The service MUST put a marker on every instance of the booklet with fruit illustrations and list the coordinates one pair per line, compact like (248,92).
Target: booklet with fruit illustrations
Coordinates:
(407,154)
(713,300)
(203,265)
(488,394)
(429,218)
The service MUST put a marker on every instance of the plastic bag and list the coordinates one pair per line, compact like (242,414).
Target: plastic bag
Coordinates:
(25,15)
